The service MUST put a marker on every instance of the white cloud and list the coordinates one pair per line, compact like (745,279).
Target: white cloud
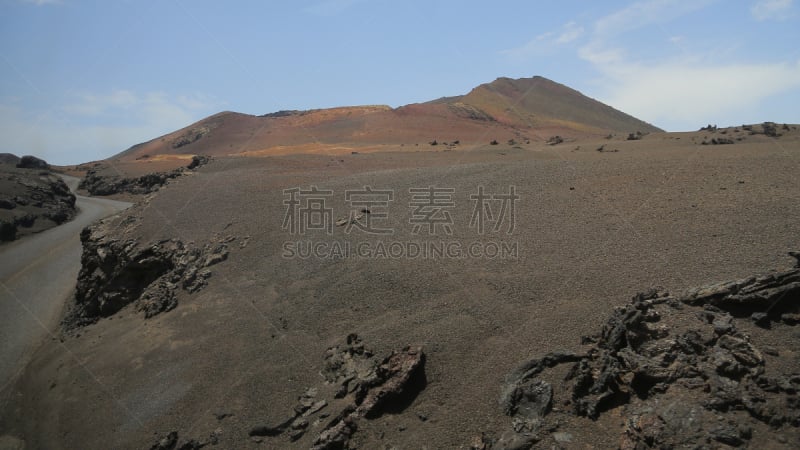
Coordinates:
(88,104)
(97,125)
(685,94)
(771,9)
(645,13)
(679,92)
(547,42)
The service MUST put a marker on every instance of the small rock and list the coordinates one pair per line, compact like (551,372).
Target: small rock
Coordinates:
(222,415)
(167,442)
(300,424)
(264,430)
(296,434)
(761,319)
(562,437)
(316,407)
(790,318)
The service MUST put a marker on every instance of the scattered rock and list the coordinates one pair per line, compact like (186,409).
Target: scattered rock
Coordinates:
(555,140)
(167,442)
(676,368)
(399,377)
(102,185)
(370,386)
(198,161)
(222,415)
(191,136)
(760,318)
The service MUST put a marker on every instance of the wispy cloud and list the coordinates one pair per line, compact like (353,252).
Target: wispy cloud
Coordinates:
(687,94)
(678,91)
(547,42)
(644,14)
(93,126)
(771,9)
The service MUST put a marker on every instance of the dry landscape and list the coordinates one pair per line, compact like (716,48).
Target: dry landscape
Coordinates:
(628,288)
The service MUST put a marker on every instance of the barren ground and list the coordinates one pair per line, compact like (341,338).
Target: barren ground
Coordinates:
(593,228)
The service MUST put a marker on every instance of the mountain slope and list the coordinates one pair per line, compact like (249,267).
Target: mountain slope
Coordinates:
(538,101)
(534,108)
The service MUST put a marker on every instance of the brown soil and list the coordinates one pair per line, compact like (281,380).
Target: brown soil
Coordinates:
(593,228)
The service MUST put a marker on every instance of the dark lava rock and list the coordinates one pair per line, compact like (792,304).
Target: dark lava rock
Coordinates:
(107,185)
(198,161)
(32,162)
(9,158)
(676,368)
(116,273)
(102,185)
(8,231)
(371,385)
(168,442)
(760,318)
(32,201)
(400,377)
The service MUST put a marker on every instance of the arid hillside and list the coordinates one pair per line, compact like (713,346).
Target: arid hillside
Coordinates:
(528,109)
(212,313)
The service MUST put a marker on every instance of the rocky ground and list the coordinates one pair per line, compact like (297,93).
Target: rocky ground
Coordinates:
(98,181)
(680,371)
(194,327)
(32,198)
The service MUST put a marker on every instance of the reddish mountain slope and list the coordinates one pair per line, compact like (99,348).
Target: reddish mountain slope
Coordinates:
(528,108)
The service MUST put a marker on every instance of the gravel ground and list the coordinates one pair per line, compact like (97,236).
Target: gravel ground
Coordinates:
(592,229)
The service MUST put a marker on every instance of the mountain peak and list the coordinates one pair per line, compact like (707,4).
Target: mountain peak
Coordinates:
(503,107)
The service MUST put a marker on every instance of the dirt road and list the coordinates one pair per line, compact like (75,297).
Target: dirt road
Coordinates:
(37,274)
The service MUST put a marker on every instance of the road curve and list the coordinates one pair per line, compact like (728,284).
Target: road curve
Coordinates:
(37,276)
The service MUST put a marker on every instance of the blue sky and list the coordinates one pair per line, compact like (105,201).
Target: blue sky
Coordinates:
(83,80)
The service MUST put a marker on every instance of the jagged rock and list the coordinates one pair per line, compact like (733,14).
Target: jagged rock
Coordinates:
(170,442)
(530,399)
(8,231)
(33,200)
(521,391)
(395,379)
(372,386)
(198,161)
(191,136)
(167,442)
(677,368)
(32,162)
(116,273)
(103,185)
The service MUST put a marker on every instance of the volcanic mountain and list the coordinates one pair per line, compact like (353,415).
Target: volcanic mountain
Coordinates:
(522,109)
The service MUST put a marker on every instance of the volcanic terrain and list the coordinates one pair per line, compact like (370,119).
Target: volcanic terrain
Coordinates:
(246,302)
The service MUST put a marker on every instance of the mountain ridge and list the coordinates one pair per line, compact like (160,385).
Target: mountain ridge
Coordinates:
(529,108)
